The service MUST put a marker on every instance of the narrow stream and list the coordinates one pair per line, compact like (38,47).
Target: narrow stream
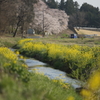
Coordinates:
(50,72)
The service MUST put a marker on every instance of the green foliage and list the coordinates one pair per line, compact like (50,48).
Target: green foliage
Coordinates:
(77,61)
(69,7)
(62,5)
(86,15)
(92,14)
(52,4)
(64,35)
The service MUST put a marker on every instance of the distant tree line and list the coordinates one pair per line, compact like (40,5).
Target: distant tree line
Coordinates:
(16,15)
(86,15)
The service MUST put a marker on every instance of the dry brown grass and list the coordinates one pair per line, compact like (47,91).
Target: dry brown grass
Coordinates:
(87,32)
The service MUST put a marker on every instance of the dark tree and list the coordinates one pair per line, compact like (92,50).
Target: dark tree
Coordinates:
(77,19)
(24,15)
(7,14)
(17,14)
(76,6)
(69,7)
(52,4)
(92,14)
(62,5)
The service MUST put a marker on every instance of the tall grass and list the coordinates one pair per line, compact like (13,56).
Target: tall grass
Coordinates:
(8,41)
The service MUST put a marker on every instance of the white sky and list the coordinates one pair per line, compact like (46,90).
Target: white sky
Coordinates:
(95,3)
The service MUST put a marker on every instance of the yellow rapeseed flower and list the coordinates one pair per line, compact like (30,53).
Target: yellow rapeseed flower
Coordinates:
(71,98)
(86,93)
(55,81)
(23,41)
(7,53)
(6,64)
(65,86)
(24,65)
(34,69)
(94,81)
(21,57)
(14,62)
(17,52)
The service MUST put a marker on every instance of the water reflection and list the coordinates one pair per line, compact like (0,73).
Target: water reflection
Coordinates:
(50,72)
(33,62)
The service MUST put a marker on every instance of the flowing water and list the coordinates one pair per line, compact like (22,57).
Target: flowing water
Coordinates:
(50,72)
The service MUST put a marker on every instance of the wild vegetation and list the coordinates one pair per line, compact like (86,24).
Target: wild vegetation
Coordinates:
(77,61)
(80,61)
(93,87)
(83,62)
(17,81)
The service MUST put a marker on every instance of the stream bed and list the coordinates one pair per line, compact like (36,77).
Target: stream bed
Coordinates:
(50,72)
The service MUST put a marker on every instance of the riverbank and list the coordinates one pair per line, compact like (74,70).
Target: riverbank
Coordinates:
(91,91)
(78,61)
(83,61)
(16,81)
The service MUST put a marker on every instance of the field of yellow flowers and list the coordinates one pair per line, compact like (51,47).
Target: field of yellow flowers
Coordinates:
(92,91)
(13,65)
(17,83)
(81,62)
(78,61)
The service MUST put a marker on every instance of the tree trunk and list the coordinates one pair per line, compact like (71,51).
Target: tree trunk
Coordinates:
(12,28)
(16,29)
(22,31)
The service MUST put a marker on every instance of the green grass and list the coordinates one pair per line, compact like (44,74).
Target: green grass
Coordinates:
(8,41)
(69,41)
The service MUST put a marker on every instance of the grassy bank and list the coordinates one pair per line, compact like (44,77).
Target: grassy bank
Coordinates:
(78,61)
(16,83)
(8,41)
(62,39)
